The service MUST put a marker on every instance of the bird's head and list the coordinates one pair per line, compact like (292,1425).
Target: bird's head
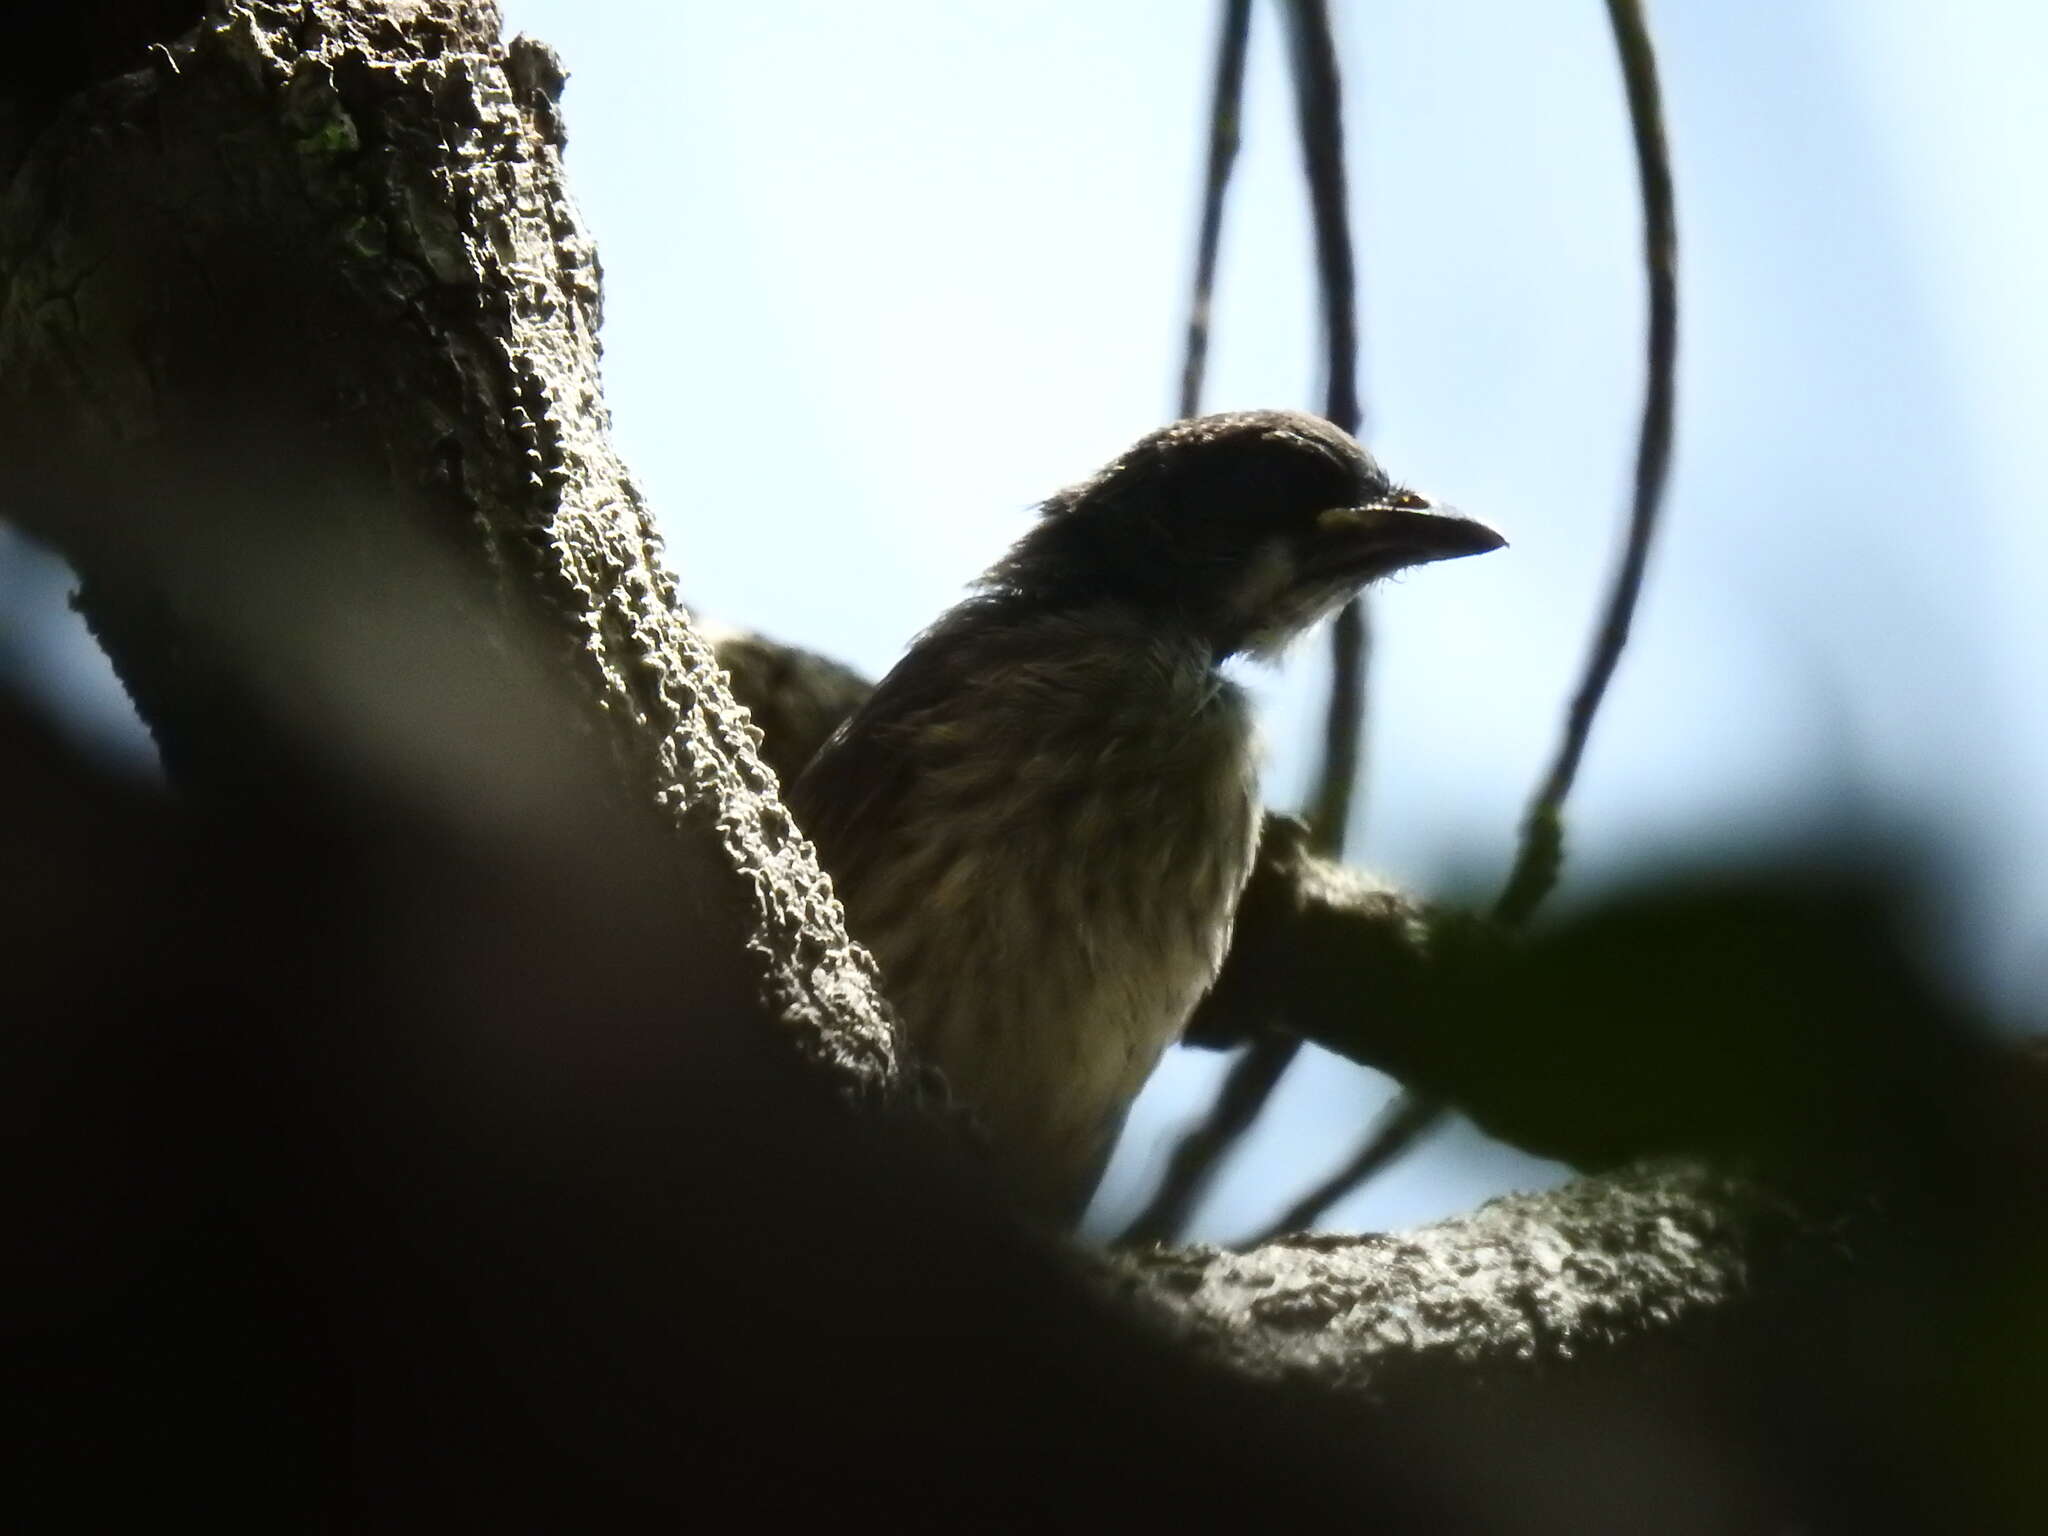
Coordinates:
(1245,528)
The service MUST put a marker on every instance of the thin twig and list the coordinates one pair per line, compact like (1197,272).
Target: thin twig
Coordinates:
(1411,1117)
(1330,808)
(1318,106)
(1319,112)
(1198,1157)
(1199,1154)
(1225,108)
(1407,1117)
(1542,853)
(1406,1120)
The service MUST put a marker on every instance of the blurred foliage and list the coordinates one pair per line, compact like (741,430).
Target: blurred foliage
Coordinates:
(1779,1016)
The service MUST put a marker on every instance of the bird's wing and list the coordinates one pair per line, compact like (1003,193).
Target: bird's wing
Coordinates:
(857,785)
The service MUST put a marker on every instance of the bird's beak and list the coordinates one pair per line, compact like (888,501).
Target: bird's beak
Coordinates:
(1392,534)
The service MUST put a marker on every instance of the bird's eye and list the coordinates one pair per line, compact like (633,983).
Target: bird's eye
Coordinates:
(1406,499)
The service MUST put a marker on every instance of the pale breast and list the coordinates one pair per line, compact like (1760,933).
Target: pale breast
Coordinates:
(1048,878)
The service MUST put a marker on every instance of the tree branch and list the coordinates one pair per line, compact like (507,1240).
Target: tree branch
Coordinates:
(319,285)
(1672,1238)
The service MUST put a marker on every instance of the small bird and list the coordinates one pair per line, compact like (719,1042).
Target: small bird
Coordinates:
(1041,820)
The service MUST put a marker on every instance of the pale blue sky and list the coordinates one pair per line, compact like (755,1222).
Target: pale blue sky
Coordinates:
(925,262)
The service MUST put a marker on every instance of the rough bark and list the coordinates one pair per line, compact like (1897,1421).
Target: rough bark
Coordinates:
(1648,1248)
(312,276)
